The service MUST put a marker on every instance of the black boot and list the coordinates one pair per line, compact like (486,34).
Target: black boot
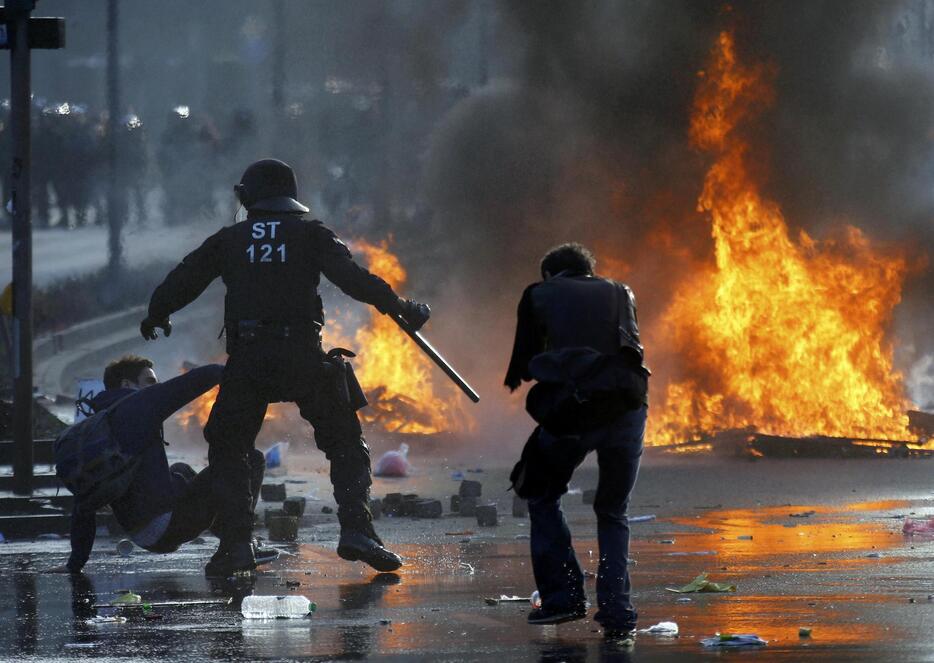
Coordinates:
(231,560)
(355,545)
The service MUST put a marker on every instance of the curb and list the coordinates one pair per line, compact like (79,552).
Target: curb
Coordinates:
(57,356)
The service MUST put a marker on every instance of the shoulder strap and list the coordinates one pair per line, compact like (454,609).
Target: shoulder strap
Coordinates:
(628,323)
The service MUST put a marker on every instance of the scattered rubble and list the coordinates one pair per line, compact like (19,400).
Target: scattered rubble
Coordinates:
(272,492)
(487,516)
(470,489)
(468,506)
(426,508)
(283,528)
(294,506)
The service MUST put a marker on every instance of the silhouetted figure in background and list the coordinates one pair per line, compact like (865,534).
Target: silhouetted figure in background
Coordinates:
(133,148)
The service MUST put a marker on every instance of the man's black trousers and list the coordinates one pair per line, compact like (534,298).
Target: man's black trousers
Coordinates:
(265,371)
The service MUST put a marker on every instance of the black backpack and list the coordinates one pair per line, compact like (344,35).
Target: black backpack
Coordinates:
(91,464)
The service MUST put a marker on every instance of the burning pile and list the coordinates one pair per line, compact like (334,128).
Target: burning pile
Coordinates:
(397,378)
(787,331)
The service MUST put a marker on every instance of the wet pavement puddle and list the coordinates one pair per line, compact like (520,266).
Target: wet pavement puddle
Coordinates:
(792,572)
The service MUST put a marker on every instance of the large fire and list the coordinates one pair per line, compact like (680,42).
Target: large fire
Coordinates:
(397,378)
(788,331)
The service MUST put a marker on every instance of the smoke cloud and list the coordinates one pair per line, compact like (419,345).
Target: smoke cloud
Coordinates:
(585,138)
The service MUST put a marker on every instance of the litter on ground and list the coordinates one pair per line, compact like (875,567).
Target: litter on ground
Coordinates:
(701,584)
(394,463)
(669,629)
(734,640)
(919,527)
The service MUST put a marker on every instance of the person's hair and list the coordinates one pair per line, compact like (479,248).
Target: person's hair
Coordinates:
(128,367)
(571,256)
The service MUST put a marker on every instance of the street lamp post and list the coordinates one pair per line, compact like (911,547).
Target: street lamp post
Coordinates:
(19,33)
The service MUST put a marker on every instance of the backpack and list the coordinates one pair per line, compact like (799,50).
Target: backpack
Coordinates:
(91,464)
(580,389)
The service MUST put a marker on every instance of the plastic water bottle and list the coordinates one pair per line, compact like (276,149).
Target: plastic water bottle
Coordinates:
(276,607)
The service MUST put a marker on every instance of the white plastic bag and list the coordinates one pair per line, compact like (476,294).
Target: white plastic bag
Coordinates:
(394,463)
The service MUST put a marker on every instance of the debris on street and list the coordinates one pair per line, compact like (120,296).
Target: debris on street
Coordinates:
(734,640)
(668,629)
(394,463)
(703,585)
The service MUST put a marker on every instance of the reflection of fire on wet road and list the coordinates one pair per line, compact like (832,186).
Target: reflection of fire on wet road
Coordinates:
(773,531)
(434,609)
(786,570)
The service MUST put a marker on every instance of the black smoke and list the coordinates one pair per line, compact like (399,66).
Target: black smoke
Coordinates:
(584,137)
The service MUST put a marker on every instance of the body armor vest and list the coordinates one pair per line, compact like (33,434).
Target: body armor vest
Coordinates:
(269,268)
(577,310)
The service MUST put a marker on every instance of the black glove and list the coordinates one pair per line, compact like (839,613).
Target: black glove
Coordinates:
(148,328)
(415,313)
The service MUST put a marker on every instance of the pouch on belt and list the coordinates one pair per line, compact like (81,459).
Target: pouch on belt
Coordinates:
(340,373)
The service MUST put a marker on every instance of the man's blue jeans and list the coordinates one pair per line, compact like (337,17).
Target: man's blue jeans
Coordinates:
(558,574)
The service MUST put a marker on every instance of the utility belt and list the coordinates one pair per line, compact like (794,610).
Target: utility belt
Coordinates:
(337,372)
(247,331)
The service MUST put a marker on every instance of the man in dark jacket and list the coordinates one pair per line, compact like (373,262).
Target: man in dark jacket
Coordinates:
(577,334)
(165,506)
(272,264)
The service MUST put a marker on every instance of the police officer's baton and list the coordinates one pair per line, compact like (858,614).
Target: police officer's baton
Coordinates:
(437,358)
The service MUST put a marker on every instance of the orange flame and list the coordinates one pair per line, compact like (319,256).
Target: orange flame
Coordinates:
(198,411)
(397,377)
(788,332)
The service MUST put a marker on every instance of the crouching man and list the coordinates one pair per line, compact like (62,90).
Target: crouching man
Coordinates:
(160,506)
(577,337)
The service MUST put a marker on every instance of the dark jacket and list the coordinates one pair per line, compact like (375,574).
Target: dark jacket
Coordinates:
(572,311)
(136,422)
(271,265)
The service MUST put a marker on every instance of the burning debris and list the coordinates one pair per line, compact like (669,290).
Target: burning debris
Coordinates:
(398,379)
(785,334)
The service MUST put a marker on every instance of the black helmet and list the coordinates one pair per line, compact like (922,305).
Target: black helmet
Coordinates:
(269,185)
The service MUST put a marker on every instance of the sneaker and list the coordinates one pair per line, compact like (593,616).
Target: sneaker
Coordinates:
(542,617)
(356,546)
(624,637)
(263,555)
(231,560)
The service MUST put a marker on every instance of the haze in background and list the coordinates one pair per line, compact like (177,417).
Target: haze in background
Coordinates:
(478,134)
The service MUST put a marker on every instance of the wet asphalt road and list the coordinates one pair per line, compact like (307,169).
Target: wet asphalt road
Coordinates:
(845,571)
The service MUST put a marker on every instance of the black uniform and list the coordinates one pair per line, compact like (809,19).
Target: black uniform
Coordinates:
(574,310)
(579,329)
(271,265)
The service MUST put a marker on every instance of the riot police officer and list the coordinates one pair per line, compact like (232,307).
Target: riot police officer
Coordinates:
(271,264)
